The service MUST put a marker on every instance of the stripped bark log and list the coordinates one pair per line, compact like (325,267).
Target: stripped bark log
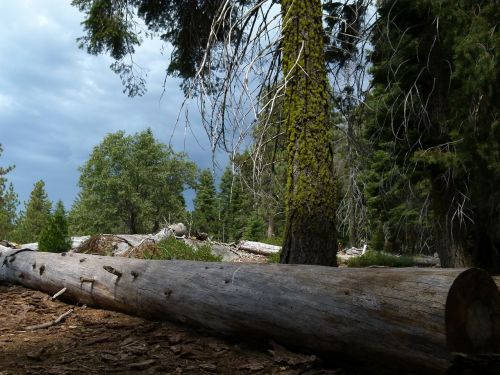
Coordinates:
(259,247)
(408,319)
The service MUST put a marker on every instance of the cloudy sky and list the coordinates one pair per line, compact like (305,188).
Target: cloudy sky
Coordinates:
(57,102)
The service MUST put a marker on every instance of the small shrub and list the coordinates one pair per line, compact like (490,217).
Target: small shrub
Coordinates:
(378,258)
(274,258)
(172,249)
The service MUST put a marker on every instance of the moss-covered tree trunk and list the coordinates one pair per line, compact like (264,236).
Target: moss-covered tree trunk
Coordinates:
(310,233)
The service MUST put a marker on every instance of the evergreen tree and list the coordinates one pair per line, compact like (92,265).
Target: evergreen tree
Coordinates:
(206,210)
(55,235)
(35,216)
(8,203)
(263,166)
(130,184)
(436,99)
(235,204)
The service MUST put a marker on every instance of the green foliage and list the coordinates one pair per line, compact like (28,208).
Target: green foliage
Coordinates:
(130,184)
(8,203)
(55,235)
(172,249)
(435,121)
(274,258)
(35,216)
(277,241)
(111,27)
(235,205)
(263,166)
(206,213)
(255,228)
(378,258)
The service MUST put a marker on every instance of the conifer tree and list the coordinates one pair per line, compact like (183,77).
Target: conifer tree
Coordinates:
(235,206)
(206,211)
(55,235)
(436,100)
(8,203)
(35,216)
(310,199)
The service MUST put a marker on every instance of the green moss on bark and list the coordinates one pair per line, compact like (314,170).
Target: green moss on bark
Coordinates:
(310,236)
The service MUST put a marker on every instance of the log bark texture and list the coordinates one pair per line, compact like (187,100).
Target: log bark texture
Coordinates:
(409,319)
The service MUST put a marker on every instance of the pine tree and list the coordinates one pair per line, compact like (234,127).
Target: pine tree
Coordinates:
(55,235)
(8,203)
(436,99)
(235,206)
(8,211)
(206,211)
(35,216)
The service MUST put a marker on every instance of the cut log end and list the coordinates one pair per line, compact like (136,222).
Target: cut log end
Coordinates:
(473,314)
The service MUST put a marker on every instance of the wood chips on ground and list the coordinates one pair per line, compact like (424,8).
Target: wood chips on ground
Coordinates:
(94,341)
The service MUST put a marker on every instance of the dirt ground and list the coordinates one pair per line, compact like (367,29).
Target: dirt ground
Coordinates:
(94,341)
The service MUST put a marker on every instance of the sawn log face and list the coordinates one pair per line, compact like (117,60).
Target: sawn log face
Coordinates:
(390,316)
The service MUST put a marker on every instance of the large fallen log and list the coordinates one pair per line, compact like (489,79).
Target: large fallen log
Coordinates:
(408,319)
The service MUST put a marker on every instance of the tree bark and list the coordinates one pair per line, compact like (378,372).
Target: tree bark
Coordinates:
(310,233)
(405,319)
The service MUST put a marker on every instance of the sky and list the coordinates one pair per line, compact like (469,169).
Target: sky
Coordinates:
(57,102)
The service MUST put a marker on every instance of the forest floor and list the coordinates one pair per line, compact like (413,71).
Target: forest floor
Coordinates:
(94,341)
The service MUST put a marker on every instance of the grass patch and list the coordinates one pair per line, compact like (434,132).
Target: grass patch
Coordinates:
(277,241)
(274,258)
(378,258)
(172,249)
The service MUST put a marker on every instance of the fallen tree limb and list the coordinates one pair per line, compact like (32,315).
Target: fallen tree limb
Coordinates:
(408,319)
(58,320)
(258,247)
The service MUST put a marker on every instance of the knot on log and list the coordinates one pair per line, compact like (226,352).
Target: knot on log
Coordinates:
(113,271)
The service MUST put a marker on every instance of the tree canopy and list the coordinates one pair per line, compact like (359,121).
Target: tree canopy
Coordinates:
(131,184)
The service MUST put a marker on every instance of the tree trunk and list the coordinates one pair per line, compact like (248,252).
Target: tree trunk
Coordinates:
(310,232)
(405,319)
(270,226)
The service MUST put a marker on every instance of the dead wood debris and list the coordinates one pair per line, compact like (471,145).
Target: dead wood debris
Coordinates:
(58,320)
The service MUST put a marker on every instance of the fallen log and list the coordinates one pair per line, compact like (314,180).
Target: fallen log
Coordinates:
(258,247)
(406,319)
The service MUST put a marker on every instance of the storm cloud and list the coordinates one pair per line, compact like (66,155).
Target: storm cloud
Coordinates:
(57,102)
